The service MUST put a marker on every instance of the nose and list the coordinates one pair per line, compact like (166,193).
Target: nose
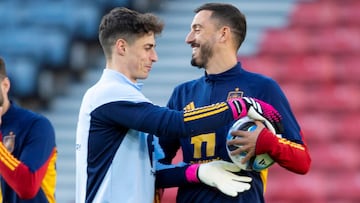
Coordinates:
(154,56)
(189,38)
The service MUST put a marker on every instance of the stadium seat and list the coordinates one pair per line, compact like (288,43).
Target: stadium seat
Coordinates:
(264,64)
(348,12)
(340,98)
(347,67)
(309,68)
(333,98)
(47,46)
(347,39)
(79,20)
(284,41)
(285,186)
(322,85)
(15,39)
(346,127)
(344,186)
(318,127)
(22,71)
(314,14)
(8,14)
(338,155)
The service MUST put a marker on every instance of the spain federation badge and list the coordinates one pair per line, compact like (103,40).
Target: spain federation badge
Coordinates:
(9,141)
(235,94)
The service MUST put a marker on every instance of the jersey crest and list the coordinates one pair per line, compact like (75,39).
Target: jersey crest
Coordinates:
(9,141)
(235,94)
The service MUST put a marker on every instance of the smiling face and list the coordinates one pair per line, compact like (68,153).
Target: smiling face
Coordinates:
(202,38)
(140,56)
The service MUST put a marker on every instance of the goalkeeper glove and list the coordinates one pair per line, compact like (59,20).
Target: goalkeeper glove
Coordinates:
(219,174)
(257,110)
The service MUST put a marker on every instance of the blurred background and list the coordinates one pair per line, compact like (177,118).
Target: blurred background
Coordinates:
(311,47)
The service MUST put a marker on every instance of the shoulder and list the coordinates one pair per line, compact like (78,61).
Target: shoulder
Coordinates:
(259,80)
(188,85)
(37,118)
(261,77)
(29,118)
(112,91)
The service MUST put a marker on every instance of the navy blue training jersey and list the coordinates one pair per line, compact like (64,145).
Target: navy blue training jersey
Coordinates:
(28,157)
(204,147)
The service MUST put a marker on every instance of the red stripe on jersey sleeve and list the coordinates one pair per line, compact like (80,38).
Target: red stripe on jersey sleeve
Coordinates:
(290,155)
(24,182)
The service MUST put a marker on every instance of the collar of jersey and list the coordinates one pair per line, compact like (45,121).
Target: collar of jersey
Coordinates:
(225,76)
(115,75)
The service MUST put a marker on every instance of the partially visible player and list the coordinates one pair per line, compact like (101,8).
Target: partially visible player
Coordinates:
(217,32)
(114,160)
(27,151)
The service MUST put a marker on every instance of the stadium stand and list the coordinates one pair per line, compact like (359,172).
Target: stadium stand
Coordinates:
(315,58)
(46,37)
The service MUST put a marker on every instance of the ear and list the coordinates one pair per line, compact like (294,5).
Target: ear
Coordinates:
(225,33)
(5,85)
(120,47)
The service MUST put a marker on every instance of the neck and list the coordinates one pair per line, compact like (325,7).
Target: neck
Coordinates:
(220,65)
(5,106)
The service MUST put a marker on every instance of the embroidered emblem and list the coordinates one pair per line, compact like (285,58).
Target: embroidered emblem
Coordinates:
(9,141)
(235,94)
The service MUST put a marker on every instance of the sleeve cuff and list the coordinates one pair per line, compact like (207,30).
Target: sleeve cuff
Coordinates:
(191,173)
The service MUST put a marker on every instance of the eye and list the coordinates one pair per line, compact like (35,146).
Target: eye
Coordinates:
(148,48)
(197,29)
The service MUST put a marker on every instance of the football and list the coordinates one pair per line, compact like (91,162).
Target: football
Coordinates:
(256,163)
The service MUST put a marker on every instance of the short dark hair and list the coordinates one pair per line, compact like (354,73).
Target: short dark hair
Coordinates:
(128,24)
(228,15)
(2,67)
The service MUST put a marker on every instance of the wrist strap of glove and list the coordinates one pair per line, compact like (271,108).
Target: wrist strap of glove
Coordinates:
(191,173)
(238,108)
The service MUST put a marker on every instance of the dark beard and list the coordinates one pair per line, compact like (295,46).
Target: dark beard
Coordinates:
(205,53)
(193,63)
(1,99)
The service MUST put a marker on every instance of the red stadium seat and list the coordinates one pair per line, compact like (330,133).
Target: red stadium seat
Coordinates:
(263,64)
(321,80)
(347,127)
(334,98)
(348,39)
(318,186)
(340,98)
(347,67)
(317,68)
(348,12)
(284,41)
(334,40)
(336,156)
(314,14)
(343,186)
(285,186)
(323,40)
(318,128)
